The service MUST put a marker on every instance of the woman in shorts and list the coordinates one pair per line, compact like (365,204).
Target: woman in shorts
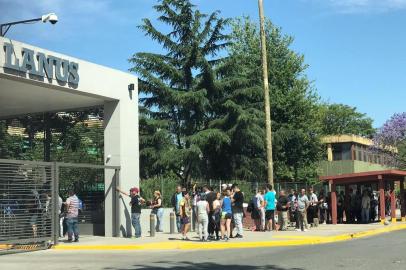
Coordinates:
(226,214)
(185,213)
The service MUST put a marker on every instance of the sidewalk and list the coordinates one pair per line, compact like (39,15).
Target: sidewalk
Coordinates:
(163,241)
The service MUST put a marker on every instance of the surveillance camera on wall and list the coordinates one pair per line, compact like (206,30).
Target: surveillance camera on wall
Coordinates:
(51,17)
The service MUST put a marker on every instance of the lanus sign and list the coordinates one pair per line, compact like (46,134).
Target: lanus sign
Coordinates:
(39,65)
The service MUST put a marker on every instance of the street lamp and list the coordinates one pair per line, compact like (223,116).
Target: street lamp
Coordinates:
(51,17)
(266,94)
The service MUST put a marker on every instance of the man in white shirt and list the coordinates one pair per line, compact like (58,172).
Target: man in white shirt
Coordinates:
(313,209)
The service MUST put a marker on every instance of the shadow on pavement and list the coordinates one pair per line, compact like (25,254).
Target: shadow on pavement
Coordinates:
(184,265)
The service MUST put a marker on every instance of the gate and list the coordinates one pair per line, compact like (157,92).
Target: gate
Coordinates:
(30,217)
(26,205)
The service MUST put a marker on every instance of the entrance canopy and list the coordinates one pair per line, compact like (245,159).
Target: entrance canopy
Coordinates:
(19,98)
(36,80)
(386,178)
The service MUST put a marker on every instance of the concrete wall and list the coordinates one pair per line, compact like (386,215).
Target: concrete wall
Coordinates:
(338,167)
(98,85)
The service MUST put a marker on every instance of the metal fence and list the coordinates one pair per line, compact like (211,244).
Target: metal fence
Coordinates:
(26,204)
(30,217)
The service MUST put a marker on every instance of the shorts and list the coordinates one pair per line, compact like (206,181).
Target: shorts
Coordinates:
(270,215)
(185,220)
(225,215)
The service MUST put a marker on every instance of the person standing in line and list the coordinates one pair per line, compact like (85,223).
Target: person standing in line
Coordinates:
(158,210)
(226,215)
(302,205)
(341,207)
(322,207)
(135,203)
(175,200)
(210,198)
(269,200)
(72,213)
(238,211)
(366,206)
(217,215)
(293,208)
(185,214)
(202,210)
(312,211)
(283,207)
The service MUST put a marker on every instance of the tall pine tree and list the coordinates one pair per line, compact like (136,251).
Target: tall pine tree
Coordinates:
(179,89)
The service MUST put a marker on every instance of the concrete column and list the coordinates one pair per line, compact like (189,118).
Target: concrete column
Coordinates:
(121,145)
(402,199)
(382,199)
(333,203)
(393,202)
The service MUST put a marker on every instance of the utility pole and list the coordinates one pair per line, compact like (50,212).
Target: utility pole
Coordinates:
(266,94)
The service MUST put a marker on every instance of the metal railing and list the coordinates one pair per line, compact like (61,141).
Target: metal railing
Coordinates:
(30,217)
(26,205)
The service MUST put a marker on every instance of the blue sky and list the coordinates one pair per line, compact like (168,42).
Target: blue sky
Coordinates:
(355,49)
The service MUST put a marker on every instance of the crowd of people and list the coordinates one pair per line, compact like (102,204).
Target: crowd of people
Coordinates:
(219,215)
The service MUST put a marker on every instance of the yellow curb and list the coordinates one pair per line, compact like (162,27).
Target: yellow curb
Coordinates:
(307,240)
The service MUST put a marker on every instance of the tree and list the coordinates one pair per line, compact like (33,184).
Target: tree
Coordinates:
(294,107)
(179,87)
(337,119)
(393,134)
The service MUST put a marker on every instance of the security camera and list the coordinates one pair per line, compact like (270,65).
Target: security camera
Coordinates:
(51,17)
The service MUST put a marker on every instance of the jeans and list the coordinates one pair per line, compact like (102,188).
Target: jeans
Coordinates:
(203,222)
(178,223)
(283,220)
(72,228)
(159,219)
(365,215)
(238,223)
(135,220)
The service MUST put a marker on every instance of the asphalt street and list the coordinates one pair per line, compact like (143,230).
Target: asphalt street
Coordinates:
(386,251)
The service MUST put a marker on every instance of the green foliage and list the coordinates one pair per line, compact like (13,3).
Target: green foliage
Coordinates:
(165,184)
(179,89)
(343,119)
(294,107)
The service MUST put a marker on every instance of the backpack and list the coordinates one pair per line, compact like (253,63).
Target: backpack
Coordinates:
(80,207)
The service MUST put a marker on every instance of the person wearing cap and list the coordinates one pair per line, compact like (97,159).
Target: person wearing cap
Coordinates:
(135,203)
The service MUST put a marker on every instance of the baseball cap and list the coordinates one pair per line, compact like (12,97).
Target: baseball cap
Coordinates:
(134,189)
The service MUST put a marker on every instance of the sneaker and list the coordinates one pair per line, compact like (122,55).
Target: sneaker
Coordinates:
(238,236)
(76,240)
(298,230)
(305,230)
(226,239)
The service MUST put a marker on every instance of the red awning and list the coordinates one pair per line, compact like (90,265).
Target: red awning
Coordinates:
(396,175)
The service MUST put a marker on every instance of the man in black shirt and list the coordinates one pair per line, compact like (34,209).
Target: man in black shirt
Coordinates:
(135,203)
(283,207)
(238,210)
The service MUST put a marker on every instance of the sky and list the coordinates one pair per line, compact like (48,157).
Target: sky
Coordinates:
(355,49)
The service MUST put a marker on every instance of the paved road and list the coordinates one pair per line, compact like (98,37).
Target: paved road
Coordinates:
(386,251)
